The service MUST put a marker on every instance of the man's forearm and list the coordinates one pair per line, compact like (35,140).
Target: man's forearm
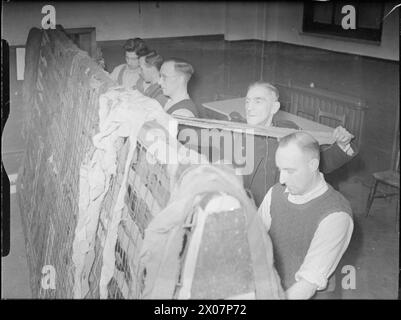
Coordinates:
(333,157)
(301,290)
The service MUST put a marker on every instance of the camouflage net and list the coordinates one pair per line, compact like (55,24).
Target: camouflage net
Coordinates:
(61,94)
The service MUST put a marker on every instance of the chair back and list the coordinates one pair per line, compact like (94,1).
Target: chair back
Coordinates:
(330,119)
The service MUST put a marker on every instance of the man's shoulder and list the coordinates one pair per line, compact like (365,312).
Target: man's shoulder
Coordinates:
(187,104)
(277,189)
(340,199)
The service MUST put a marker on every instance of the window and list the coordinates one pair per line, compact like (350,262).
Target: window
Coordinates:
(84,38)
(326,17)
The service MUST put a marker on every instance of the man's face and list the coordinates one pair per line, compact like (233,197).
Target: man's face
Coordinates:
(146,71)
(296,169)
(169,79)
(132,59)
(260,104)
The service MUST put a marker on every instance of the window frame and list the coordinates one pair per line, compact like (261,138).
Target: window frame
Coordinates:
(331,29)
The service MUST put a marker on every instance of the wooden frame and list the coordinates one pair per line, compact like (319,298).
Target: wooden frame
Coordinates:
(333,29)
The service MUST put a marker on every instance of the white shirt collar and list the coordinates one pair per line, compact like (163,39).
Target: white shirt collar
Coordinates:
(317,191)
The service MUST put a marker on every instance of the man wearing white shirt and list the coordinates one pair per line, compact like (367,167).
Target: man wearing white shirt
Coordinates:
(128,74)
(309,222)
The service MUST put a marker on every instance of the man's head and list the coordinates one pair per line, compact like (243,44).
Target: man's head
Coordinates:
(261,103)
(174,76)
(297,158)
(150,66)
(134,49)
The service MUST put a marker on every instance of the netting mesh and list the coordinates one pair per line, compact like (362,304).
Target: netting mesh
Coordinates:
(61,99)
(61,96)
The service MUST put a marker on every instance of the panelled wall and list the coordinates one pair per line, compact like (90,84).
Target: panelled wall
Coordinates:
(375,81)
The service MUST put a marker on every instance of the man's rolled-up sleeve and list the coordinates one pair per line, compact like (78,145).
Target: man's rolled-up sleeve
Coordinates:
(333,157)
(328,245)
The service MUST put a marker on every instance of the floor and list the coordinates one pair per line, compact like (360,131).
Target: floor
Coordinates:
(374,247)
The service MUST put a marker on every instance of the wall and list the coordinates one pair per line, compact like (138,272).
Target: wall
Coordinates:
(271,21)
(282,21)
(375,81)
(369,72)
(242,20)
(117,20)
(348,67)
(285,18)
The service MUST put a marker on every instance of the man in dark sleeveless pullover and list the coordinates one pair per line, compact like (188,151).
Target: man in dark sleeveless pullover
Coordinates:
(309,222)
(148,83)
(174,76)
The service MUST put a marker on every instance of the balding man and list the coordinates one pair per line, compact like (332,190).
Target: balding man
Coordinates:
(174,76)
(261,106)
(309,222)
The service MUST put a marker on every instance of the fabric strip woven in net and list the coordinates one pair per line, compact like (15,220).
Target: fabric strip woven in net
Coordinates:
(116,205)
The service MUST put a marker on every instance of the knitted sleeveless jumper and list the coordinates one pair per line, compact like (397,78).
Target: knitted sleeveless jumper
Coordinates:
(294,225)
(185,104)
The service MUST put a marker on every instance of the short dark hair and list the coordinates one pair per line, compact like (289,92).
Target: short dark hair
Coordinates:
(304,141)
(154,59)
(136,45)
(268,86)
(182,66)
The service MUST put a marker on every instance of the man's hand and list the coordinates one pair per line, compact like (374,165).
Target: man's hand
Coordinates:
(342,137)
(301,290)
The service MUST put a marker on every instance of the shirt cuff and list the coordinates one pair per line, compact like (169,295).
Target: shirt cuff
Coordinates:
(315,278)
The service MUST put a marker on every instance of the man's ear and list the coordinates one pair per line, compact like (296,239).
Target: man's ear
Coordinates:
(276,107)
(314,164)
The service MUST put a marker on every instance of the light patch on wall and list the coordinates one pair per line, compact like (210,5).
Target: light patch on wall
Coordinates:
(20,63)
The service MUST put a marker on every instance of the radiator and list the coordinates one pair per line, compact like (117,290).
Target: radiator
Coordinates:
(326,107)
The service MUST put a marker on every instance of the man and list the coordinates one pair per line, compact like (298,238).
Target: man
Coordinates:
(148,83)
(127,74)
(309,222)
(174,76)
(261,106)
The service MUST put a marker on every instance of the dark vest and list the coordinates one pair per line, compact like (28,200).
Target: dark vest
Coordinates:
(153,91)
(185,104)
(293,227)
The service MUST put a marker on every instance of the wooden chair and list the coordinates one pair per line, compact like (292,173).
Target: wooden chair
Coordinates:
(390,178)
